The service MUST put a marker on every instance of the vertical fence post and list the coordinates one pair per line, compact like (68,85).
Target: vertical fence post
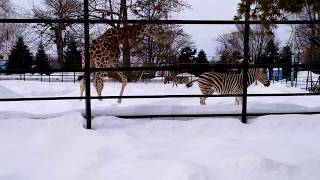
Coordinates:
(245,65)
(87,64)
(74,77)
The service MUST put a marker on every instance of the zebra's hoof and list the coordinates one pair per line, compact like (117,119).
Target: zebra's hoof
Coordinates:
(119,101)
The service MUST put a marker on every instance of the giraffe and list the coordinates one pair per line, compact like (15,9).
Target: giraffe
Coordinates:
(105,52)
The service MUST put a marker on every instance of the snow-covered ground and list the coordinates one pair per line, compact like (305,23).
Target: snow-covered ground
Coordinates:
(46,140)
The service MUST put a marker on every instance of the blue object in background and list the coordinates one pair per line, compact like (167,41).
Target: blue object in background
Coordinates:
(276,74)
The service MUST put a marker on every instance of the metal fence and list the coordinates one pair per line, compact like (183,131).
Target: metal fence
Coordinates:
(87,70)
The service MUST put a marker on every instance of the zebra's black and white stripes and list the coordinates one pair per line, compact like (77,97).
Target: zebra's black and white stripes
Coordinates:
(228,83)
(314,89)
(176,80)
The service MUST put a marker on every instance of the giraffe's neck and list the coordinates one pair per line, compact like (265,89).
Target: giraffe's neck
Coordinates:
(130,32)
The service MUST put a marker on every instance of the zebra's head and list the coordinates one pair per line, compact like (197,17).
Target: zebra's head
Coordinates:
(167,80)
(262,76)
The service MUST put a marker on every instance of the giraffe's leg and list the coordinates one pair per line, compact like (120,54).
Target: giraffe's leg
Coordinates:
(98,83)
(124,81)
(82,86)
(82,81)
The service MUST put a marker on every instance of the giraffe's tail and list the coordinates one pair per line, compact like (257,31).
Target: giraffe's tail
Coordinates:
(80,77)
(189,84)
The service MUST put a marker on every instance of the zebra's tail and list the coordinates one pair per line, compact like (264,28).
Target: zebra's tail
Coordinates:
(189,84)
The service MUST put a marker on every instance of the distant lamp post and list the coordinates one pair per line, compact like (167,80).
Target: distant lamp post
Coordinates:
(293,51)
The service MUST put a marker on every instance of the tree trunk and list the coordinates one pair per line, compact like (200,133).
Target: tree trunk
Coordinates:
(59,44)
(126,46)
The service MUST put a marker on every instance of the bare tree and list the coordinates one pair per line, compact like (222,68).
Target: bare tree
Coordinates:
(231,44)
(5,7)
(162,53)
(229,47)
(157,9)
(5,11)
(8,31)
(55,32)
(304,32)
(173,36)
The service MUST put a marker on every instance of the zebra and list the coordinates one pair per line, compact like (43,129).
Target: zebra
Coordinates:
(167,79)
(176,80)
(227,83)
(314,89)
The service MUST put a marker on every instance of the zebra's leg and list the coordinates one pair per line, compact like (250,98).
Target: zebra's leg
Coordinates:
(98,83)
(124,81)
(205,92)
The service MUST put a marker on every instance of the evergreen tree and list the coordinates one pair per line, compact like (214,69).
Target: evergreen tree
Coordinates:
(270,10)
(202,58)
(187,55)
(72,55)
(20,57)
(233,57)
(270,55)
(41,60)
(285,59)
(202,61)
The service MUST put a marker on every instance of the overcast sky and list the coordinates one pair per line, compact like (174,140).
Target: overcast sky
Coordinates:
(204,36)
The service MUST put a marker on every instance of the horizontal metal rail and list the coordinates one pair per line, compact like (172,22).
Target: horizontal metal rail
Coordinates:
(154,96)
(137,21)
(178,115)
(165,68)
(212,115)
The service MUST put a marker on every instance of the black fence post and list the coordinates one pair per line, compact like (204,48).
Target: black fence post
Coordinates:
(245,65)
(87,64)
(74,77)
